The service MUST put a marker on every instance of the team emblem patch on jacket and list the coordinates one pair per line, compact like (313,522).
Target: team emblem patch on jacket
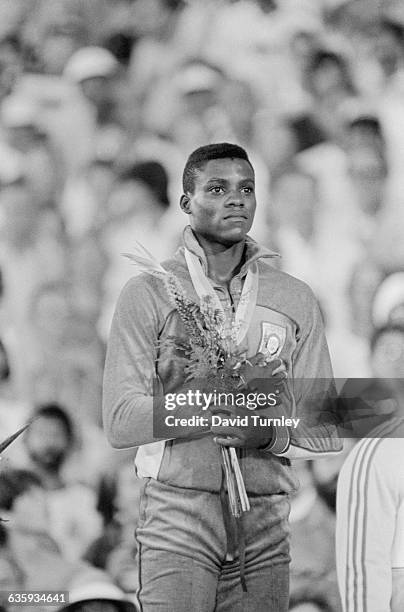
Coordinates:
(272,339)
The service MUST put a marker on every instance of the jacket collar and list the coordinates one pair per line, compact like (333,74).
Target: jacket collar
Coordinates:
(253,251)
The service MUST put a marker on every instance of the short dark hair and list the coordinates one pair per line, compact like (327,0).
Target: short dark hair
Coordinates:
(394,28)
(174,5)
(324,57)
(152,174)
(53,410)
(198,158)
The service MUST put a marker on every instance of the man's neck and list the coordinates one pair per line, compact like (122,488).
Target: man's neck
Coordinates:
(224,262)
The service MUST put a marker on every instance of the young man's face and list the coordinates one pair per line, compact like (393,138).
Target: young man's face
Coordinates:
(223,204)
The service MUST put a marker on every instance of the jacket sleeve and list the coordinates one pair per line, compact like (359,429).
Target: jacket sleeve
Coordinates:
(311,390)
(368,497)
(133,395)
(130,367)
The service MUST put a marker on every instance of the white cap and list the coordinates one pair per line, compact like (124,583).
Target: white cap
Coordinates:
(99,590)
(18,111)
(389,294)
(90,62)
(197,77)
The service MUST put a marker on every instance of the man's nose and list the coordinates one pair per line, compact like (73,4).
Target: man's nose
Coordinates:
(235,198)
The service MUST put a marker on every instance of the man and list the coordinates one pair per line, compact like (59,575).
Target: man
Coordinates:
(73,520)
(31,560)
(193,554)
(370,494)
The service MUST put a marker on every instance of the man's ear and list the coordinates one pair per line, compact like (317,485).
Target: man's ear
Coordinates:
(185,204)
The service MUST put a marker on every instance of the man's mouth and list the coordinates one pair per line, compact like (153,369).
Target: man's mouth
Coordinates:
(236,216)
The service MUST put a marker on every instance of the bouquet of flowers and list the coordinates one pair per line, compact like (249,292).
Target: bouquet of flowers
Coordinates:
(211,354)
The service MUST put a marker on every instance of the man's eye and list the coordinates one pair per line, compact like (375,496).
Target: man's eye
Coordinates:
(216,189)
(247,190)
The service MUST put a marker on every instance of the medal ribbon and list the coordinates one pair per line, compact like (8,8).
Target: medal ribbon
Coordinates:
(248,299)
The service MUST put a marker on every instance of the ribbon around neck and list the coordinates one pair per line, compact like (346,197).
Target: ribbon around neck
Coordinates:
(245,309)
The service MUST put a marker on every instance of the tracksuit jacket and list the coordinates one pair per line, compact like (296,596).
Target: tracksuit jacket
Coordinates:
(370,522)
(286,310)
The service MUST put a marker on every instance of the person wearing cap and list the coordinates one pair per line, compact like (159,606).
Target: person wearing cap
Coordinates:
(92,69)
(194,552)
(98,596)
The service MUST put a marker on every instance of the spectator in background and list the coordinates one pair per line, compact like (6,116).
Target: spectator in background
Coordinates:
(100,181)
(199,112)
(303,46)
(330,84)
(23,135)
(389,48)
(376,297)
(32,251)
(369,542)
(48,442)
(367,166)
(100,549)
(96,75)
(390,53)
(13,413)
(53,31)
(73,521)
(93,70)
(11,64)
(312,524)
(137,210)
(159,48)
(350,179)
(59,43)
(292,215)
(13,483)
(123,560)
(37,561)
(387,356)
(115,550)
(67,363)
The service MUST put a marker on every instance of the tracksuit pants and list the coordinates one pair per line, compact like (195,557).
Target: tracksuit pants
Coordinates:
(193,555)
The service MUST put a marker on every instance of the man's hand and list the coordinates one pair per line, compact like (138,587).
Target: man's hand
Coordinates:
(241,427)
(238,427)
(259,371)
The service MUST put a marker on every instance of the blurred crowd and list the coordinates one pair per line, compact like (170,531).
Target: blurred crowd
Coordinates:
(101,101)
